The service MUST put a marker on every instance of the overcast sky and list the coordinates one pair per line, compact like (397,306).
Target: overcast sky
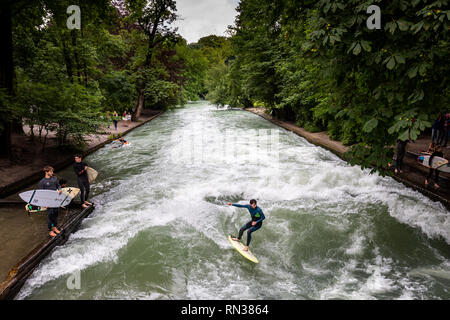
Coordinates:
(205,17)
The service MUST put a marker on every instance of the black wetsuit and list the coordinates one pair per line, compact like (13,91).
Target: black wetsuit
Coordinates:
(52,216)
(82,179)
(435,171)
(401,150)
(257,216)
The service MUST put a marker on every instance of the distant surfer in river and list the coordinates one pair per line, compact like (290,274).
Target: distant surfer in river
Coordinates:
(83,181)
(253,225)
(49,182)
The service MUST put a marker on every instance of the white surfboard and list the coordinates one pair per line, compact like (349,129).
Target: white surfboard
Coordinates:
(46,198)
(70,191)
(438,163)
(92,174)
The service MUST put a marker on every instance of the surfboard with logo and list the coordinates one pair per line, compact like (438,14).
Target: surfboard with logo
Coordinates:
(240,248)
(438,163)
(67,195)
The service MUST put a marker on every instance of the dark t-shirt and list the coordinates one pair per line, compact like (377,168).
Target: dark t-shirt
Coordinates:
(78,168)
(49,184)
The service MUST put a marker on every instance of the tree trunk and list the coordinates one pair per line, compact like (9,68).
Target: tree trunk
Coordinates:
(6,141)
(17,126)
(31,132)
(68,60)
(45,140)
(140,106)
(6,74)
(75,52)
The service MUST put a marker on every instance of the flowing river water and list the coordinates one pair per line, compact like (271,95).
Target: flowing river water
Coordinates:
(159,230)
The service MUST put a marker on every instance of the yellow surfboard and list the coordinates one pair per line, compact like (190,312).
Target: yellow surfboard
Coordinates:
(92,174)
(240,248)
(72,192)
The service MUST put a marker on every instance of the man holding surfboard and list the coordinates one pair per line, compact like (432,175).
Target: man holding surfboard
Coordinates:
(437,153)
(49,182)
(80,169)
(255,224)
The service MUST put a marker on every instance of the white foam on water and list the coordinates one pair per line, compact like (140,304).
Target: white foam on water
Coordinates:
(358,244)
(147,191)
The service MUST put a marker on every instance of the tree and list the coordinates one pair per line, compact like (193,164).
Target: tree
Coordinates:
(154,17)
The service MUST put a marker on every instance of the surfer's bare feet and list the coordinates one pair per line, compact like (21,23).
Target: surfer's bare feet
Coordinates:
(88,203)
(84,206)
(245,248)
(235,239)
(52,234)
(55,230)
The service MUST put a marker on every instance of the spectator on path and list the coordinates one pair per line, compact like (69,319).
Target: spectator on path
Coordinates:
(400,154)
(401,151)
(445,132)
(115,119)
(437,128)
(436,153)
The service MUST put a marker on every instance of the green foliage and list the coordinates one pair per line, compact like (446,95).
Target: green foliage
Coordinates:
(118,89)
(68,79)
(318,61)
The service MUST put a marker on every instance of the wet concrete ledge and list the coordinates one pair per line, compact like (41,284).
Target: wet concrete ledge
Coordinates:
(23,183)
(339,149)
(20,273)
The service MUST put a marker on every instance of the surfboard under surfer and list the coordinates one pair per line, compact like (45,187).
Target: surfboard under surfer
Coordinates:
(49,182)
(255,224)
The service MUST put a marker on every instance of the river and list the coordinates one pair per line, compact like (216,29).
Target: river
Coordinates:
(159,230)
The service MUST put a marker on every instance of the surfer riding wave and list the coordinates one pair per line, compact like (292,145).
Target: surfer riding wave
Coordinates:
(255,224)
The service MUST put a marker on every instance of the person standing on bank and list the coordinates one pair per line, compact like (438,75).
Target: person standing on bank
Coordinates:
(437,128)
(115,119)
(253,225)
(437,153)
(83,181)
(49,182)
(401,151)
